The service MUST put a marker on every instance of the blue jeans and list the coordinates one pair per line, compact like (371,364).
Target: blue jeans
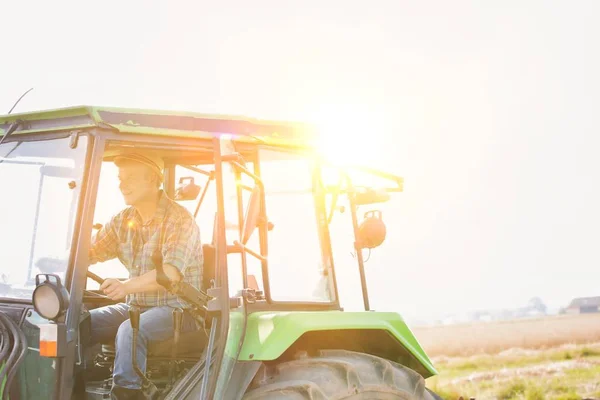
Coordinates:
(156,324)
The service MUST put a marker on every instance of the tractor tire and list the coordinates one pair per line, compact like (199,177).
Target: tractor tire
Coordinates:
(336,375)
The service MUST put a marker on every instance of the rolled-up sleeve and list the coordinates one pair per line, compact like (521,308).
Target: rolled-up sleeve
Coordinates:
(178,247)
(104,244)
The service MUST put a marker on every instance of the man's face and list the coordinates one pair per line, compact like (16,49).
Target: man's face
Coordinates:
(136,183)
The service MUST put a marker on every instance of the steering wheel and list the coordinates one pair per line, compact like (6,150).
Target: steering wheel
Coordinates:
(100,281)
(95,277)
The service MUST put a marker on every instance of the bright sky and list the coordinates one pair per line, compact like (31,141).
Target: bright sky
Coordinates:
(489,111)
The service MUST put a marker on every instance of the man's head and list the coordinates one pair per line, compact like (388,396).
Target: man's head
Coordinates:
(140,176)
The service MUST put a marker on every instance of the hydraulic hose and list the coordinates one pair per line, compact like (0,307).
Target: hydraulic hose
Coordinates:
(4,349)
(11,334)
(23,352)
(8,325)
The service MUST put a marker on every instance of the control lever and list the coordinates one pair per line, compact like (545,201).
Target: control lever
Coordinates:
(147,387)
(177,324)
(197,298)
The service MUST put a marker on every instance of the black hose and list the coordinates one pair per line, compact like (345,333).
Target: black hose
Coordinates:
(12,373)
(4,343)
(8,324)
(17,352)
(4,348)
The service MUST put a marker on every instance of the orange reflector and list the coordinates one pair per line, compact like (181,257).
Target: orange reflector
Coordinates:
(48,349)
(49,338)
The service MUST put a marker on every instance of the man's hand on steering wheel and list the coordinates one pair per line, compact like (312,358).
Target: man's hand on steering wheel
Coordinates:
(114,289)
(101,282)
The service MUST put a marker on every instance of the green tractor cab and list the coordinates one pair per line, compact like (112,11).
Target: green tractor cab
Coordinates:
(266,202)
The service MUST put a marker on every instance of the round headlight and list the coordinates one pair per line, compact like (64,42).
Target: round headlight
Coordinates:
(50,300)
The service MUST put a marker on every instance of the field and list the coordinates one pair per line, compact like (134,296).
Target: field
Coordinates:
(546,358)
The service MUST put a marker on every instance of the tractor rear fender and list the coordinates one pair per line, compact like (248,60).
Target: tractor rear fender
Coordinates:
(273,336)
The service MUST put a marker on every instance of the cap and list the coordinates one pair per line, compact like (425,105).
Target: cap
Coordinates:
(150,159)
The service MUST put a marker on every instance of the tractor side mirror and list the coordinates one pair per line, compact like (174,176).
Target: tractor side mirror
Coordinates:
(187,190)
(372,231)
(252,214)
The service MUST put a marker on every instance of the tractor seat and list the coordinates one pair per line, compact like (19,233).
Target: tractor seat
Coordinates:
(191,345)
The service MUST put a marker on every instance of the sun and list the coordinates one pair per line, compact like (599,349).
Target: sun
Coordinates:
(351,136)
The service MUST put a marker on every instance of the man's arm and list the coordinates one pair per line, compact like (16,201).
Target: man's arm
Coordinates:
(147,282)
(115,289)
(105,243)
(179,246)
(177,250)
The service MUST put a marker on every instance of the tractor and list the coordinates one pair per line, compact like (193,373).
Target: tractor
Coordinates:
(272,325)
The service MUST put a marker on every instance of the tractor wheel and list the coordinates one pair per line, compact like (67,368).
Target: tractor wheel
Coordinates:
(338,374)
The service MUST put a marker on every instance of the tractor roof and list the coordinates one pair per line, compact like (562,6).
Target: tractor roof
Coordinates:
(161,122)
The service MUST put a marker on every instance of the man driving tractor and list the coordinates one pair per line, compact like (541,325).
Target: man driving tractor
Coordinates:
(153,229)
(261,340)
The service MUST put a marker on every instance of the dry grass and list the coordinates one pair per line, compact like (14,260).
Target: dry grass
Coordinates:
(494,337)
(547,358)
(568,372)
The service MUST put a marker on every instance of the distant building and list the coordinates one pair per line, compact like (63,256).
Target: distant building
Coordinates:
(584,305)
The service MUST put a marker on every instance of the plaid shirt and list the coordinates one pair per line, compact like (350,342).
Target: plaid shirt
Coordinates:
(134,243)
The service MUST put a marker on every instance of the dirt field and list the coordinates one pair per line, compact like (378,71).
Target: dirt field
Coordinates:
(494,337)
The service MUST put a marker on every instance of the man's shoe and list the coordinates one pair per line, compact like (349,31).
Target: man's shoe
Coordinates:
(121,393)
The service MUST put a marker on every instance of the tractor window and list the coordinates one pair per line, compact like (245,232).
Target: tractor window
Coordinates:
(295,258)
(206,215)
(110,201)
(342,233)
(43,182)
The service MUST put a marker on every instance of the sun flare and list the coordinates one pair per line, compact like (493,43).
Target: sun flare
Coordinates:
(350,136)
